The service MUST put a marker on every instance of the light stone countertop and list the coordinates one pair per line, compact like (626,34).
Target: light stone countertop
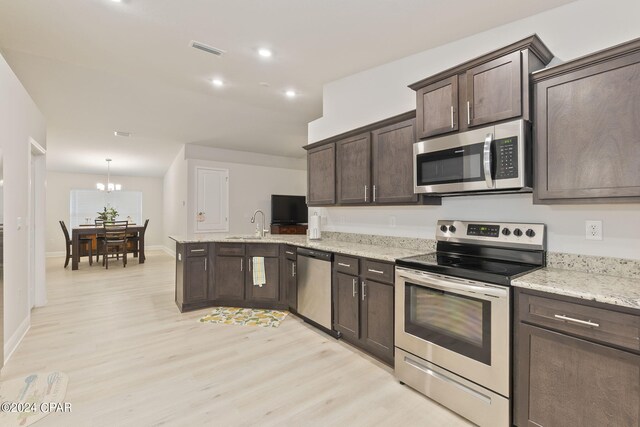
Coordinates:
(379,252)
(616,290)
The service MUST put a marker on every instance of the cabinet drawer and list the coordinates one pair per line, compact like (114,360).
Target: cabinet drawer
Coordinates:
(197,249)
(262,249)
(289,252)
(230,249)
(607,326)
(346,264)
(379,271)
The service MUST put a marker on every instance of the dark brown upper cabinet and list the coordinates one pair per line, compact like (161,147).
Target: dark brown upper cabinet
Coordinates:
(587,128)
(437,109)
(373,166)
(353,169)
(392,163)
(494,90)
(488,89)
(321,179)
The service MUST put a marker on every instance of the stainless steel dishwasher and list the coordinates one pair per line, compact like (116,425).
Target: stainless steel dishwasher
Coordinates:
(314,286)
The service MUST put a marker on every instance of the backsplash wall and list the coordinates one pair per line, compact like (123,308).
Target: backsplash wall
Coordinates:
(565,224)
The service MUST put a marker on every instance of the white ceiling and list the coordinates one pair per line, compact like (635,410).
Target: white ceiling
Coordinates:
(95,66)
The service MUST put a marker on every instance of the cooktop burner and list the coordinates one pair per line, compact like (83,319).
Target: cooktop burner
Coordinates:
(468,267)
(483,251)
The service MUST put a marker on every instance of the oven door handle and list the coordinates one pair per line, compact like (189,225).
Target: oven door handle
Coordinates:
(452,284)
(487,160)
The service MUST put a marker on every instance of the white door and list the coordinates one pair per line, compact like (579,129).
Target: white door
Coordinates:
(212,206)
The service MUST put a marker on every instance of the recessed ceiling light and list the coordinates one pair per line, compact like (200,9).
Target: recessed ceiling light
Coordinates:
(290,93)
(265,53)
(117,1)
(217,82)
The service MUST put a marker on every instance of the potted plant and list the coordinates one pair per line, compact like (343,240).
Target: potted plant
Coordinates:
(109,214)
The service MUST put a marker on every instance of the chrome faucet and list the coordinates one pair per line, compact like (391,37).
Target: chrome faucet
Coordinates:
(262,230)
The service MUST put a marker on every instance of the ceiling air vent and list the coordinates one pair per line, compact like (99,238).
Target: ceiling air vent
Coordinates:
(121,133)
(206,48)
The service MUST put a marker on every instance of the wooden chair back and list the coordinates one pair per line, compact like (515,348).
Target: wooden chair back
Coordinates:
(66,232)
(115,231)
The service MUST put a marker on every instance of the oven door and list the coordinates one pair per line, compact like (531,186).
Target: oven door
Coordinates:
(457,324)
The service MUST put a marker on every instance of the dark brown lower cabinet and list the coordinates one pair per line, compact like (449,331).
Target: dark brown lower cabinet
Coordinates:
(565,379)
(363,307)
(269,291)
(229,278)
(346,306)
(193,276)
(376,319)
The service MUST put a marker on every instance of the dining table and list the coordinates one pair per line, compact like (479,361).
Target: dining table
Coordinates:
(76,232)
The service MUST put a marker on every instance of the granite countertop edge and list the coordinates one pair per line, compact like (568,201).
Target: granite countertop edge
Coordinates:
(614,290)
(378,252)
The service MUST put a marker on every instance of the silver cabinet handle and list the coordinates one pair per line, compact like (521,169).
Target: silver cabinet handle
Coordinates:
(375,271)
(468,113)
(344,265)
(205,264)
(364,290)
(241,259)
(288,252)
(355,284)
(197,250)
(293,270)
(374,193)
(452,117)
(365,193)
(578,321)
(487,160)
(249,263)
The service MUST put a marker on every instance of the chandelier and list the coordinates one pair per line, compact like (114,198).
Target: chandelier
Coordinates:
(110,185)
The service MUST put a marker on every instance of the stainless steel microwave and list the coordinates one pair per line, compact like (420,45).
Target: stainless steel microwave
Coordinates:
(489,159)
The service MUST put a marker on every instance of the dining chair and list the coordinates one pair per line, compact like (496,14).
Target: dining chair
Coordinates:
(135,238)
(115,242)
(98,223)
(83,241)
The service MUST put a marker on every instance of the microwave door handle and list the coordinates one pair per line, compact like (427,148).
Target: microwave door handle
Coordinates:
(487,160)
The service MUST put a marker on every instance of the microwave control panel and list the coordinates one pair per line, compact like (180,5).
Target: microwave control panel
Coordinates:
(506,158)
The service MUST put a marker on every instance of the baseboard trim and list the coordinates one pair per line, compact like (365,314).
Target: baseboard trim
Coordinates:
(169,251)
(55,254)
(12,343)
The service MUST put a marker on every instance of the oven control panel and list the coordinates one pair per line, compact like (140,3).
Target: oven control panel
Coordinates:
(506,234)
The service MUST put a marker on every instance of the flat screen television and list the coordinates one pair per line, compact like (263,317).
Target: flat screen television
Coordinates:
(288,210)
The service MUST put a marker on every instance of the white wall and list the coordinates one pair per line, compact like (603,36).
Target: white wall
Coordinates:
(570,31)
(175,200)
(59,185)
(250,188)
(20,120)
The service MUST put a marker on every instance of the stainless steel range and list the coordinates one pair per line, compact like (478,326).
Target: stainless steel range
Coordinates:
(453,315)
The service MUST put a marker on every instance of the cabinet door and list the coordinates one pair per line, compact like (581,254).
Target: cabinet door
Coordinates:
(269,291)
(393,163)
(345,306)
(196,279)
(229,278)
(494,90)
(437,108)
(587,138)
(292,284)
(354,169)
(376,318)
(564,381)
(321,175)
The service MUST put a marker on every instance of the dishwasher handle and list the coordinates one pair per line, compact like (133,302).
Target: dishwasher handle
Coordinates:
(312,253)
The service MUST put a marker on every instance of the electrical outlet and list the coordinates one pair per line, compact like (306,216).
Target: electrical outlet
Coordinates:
(593,230)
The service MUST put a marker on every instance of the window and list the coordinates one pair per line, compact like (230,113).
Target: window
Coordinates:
(85,205)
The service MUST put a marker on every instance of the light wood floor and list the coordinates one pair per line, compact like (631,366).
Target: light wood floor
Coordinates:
(134,360)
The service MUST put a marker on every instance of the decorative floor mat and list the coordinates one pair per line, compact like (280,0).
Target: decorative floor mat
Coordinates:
(245,317)
(28,399)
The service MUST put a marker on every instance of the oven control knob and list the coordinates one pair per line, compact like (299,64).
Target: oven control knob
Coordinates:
(443,228)
(506,231)
(517,232)
(452,228)
(530,233)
